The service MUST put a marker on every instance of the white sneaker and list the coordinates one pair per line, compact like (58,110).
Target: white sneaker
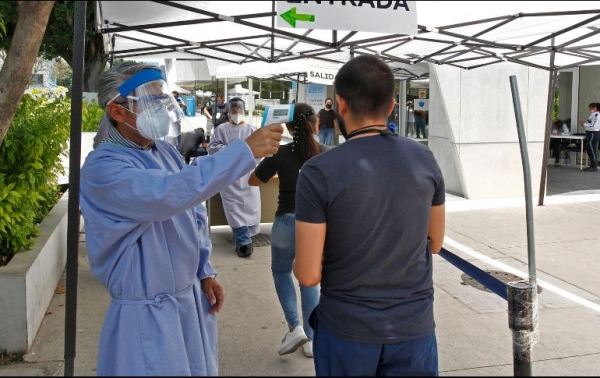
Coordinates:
(307,349)
(293,340)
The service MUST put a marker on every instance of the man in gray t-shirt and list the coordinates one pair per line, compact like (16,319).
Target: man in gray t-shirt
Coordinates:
(369,215)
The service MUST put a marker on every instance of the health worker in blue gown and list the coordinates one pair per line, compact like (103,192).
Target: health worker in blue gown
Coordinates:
(147,230)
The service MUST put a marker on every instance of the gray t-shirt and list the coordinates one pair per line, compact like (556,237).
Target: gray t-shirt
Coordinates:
(375,195)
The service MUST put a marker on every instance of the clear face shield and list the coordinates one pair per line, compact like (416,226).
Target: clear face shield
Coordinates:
(147,95)
(237,111)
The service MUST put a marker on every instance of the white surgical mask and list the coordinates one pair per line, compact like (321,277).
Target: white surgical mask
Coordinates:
(237,118)
(153,124)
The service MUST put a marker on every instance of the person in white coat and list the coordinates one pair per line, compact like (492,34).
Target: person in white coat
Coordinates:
(241,202)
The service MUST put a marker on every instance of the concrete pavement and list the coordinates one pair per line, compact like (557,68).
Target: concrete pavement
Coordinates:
(472,324)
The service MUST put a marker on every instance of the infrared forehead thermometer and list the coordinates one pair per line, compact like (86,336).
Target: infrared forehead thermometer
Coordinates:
(278,114)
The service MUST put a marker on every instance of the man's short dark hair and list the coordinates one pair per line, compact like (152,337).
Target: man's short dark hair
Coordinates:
(366,83)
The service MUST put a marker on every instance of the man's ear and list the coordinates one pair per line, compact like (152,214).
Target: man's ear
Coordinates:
(117,112)
(392,106)
(341,104)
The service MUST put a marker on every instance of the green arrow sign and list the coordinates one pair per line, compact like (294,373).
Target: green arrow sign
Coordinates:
(291,17)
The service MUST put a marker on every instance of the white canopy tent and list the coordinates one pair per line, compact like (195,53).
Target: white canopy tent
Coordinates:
(175,87)
(243,32)
(546,35)
(239,90)
(550,36)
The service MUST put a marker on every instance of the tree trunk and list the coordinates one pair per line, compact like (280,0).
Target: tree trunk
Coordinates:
(16,71)
(95,62)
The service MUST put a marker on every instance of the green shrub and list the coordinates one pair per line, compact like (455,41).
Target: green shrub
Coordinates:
(30,164)
(91,115)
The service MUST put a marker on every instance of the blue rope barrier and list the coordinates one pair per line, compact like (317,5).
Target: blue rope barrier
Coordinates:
(495,285)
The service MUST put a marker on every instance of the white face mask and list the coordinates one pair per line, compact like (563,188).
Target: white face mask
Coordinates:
(237,118)
(153,124)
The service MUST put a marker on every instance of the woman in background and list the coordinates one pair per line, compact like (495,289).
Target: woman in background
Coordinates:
(286,164)
(592,135)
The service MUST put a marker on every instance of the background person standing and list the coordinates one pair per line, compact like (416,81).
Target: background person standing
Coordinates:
(592,135)
(410,120)
(180,101)
(220,112)
(420,124)
(174,135)
(326,123)
(207,111)
(241,202)
(370,248)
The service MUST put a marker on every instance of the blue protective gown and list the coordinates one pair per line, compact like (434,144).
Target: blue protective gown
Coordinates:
(148,243)
(241,201)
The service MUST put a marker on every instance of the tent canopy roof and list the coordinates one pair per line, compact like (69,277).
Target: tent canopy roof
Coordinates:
(523,32)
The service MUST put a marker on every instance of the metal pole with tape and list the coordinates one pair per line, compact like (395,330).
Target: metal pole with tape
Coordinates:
(522,296)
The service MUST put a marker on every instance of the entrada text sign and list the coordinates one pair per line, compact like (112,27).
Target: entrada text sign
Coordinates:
(398,17)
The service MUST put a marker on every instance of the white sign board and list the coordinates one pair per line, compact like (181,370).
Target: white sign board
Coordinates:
(321,72)
(421,104)
(398,17)
(320,75)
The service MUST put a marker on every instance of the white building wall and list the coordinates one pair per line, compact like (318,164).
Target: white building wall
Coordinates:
(473,133)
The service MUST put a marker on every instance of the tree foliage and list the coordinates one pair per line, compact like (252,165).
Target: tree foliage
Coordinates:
(30,164)
(2,28)
(63,73)
(58,39)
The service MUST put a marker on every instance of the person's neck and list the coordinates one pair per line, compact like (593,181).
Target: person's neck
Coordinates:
(133,135)
(364,124)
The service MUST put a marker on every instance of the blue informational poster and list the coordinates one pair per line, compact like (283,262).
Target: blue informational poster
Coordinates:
(191,106)
(316,95)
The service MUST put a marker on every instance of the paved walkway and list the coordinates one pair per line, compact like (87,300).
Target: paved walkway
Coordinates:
(472,324)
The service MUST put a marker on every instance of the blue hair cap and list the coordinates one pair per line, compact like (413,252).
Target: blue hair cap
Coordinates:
(138,79)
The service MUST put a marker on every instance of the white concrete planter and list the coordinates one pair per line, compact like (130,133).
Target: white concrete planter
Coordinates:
(28,282)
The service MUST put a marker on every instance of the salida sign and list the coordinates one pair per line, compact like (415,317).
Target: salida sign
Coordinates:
(398,17)
(321,75)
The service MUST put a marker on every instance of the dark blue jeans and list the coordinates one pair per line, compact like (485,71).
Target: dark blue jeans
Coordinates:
(338,357)
(420,126)
(326,136)
(591,145)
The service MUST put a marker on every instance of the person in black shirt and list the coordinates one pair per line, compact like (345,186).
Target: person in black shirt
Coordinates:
(286,164)
(193,144)
(326,123)
(220,112)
